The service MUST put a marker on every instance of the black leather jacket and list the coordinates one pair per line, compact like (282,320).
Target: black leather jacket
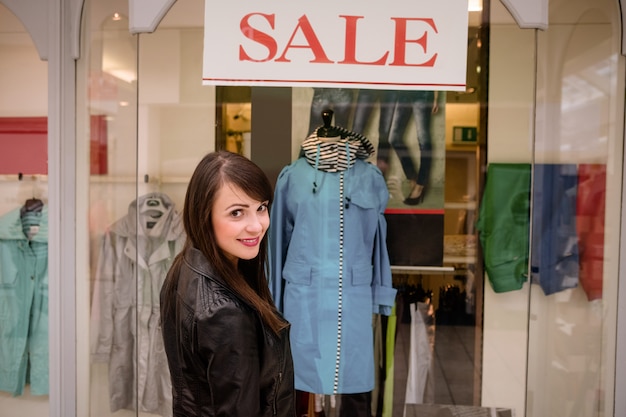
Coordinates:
(222,360)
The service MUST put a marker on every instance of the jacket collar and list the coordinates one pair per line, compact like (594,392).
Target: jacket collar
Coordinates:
(336,155)
(12,225)
(166,229)
(200,264)
(196,260)
(169,226)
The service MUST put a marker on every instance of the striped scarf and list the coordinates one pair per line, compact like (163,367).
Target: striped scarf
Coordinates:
(336,155)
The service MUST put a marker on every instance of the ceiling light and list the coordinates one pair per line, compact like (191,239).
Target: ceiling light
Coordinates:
(474,5)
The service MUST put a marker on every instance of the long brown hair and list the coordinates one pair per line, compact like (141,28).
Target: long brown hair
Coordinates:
(248,280)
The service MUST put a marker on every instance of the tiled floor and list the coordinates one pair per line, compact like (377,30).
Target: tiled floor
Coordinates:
(453,366)
(452,371)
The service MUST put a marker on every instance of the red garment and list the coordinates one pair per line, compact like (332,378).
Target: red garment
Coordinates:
(590,213)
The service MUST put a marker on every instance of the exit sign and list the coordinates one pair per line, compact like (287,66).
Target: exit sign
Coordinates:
(464,134)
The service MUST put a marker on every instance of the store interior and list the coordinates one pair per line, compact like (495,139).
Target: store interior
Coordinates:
(144,120)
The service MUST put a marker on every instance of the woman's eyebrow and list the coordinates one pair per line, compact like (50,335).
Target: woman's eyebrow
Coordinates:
(237,205)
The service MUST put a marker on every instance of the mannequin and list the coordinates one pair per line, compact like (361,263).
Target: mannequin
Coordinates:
(340,100)
(329,263)
(327,130)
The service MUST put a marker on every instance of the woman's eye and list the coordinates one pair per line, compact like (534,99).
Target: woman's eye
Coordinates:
(263,207)
(236,213)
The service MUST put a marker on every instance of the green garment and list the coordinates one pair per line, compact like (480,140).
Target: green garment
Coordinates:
(389,374)
(504,225)
(24,302)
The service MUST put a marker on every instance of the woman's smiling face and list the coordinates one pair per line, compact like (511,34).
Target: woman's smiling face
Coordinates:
(239,222)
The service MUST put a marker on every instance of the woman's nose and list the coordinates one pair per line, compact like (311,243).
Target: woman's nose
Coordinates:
(255,224)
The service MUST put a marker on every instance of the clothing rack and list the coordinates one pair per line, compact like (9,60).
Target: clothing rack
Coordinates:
(104,179)
(22,190)
(23,177)
(401,281)
(147,179)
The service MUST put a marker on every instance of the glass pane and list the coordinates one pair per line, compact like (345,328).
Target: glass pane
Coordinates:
(578,160)
(24,382)
(109,87)
(548,343)
(512,75)
(149,122)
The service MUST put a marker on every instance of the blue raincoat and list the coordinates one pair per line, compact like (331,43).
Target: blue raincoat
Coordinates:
(329,263)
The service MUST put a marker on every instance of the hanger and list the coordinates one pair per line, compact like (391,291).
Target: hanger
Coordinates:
(31,205)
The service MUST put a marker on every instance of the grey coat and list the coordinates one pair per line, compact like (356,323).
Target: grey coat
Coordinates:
(134,260)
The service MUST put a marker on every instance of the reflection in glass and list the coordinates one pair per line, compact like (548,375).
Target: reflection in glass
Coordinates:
(149,121)
(24,364)
(568,360)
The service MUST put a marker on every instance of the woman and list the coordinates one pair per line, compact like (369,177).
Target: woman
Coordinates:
(227,346)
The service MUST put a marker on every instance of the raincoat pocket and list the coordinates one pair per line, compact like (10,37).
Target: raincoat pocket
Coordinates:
(362,274)
(297,273)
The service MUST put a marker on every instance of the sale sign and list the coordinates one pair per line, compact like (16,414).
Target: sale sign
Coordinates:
(392,44)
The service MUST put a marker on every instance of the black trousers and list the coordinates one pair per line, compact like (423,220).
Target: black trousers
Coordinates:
(356,405)
(350,405)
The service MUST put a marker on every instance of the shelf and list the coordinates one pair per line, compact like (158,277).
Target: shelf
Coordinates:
(395,269)
(465,260)
(469,205)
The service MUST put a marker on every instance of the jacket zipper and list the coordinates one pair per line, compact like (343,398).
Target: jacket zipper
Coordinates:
(278,384)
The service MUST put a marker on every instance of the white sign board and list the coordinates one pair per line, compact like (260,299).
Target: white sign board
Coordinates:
(391,44)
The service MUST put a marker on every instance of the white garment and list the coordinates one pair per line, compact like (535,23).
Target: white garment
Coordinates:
(136,253)
(420,383)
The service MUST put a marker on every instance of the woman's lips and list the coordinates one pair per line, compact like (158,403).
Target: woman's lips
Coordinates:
(250,242)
